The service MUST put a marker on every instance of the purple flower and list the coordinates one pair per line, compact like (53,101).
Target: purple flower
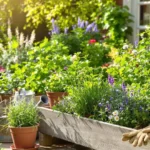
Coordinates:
(95,29)
(82,24)
(123,86)
(89,27)
(49,33)
(126,100)
(136,43)
(121,108)
(100,104)
(55,30)
(111,98)
(53,22)
(86,23)
(109,106)
(110,80)
(140,108)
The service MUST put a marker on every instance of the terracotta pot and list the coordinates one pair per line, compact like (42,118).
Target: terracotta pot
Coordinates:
(24,137)
(35,148)
(5,97)
(54,97)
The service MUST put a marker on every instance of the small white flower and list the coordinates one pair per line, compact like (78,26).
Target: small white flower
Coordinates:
(106,109)
(134,51)
(32,38)
(9,33)
(116,118)
(74,57)
(115,113)
(15,60)
(125,46)
(110,117)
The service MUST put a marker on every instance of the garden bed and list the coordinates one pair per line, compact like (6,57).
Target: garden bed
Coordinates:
(86,132)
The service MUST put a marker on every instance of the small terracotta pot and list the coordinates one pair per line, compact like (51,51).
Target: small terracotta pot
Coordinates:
(54,97)
(24,137)
(5,96)
(35,148)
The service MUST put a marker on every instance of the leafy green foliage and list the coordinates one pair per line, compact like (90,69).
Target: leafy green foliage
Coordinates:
(22,114)
(65,12)
(5,86)
(132,65)
(97,53)
(115,21)
(44,60)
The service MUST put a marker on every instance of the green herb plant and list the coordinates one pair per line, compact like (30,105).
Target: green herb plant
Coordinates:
(21,113)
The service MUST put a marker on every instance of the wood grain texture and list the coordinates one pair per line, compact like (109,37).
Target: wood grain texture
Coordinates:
(86,132)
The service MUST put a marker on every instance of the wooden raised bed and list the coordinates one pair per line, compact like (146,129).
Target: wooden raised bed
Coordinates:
(86,132)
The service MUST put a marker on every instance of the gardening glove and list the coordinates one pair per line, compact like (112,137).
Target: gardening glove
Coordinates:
(137,137)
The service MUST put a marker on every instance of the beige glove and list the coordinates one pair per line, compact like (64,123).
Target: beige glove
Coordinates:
(137,137)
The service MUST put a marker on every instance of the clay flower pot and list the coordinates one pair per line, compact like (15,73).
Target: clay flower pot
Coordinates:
(54,97)
(24,137)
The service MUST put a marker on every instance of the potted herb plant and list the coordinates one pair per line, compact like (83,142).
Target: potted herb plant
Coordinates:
(55,88)
(23,121)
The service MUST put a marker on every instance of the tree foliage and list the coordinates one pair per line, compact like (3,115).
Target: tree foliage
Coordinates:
(65,12)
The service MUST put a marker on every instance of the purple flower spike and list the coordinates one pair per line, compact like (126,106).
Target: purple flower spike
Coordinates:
(123,87)
(82,24)
(109,106)
(86,23)
(136,43)
(53,21)
(79,22)
(95,29)
(90,27)
(126,101)
(121,108)
(110,80)
(55,30)
(100,104)
(111,98)
(141,108)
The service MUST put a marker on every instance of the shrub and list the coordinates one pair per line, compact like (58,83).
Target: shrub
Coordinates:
(131,64)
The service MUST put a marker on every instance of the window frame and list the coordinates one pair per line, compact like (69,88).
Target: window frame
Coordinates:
(134,9)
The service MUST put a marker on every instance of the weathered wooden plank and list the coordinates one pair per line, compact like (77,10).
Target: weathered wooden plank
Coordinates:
(86,132)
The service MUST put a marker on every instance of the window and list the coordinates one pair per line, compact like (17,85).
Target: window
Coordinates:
(140,9)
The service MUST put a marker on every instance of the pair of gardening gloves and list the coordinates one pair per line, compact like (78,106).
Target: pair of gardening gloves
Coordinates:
(137,137)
